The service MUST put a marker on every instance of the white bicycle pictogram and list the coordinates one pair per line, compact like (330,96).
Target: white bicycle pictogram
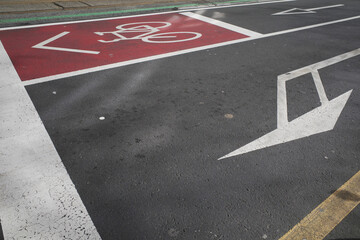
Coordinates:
(148,33)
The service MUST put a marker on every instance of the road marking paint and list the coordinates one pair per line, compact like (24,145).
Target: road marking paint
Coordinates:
(222,24)
(147,32)
(316,121)
(311,26)
(308,10)
(326,7)
(324,218)
(124,11)
(42,45)
(319,87)
(160,56)
(38,199)
(114,41)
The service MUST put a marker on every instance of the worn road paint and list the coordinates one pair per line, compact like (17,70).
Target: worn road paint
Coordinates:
(228,26)
(308,10)
(316,121)
(38,199)
(188,7)
(175,53)
(324,218)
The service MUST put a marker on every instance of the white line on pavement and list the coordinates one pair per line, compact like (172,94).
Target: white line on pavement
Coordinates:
(222,24)
(37,198)
(325,7)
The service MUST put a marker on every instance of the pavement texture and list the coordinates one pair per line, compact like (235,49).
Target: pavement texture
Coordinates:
(141,142)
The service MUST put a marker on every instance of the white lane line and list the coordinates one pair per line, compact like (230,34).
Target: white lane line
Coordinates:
(222,24)
(160,56)
(143,15)
(42,45)
(325,7)
(311,26)
(37,198)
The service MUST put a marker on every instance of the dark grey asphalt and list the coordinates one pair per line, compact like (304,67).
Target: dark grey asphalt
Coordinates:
(150,169)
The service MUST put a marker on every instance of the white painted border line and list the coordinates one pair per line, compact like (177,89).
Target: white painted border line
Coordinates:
(139,60)
(37,197)
(143,15)
(225,25)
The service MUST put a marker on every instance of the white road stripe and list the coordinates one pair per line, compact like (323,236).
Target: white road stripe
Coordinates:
(222,24)
(147,14)
(145,59)
(325,7)
(37,198)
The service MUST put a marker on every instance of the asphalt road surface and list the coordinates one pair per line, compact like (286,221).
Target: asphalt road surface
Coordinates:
(140,123)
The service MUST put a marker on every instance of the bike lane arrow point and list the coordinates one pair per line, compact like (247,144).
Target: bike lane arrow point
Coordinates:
(318,120)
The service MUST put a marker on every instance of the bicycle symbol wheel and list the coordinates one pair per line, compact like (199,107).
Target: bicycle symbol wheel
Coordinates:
(171,37)
(143,26)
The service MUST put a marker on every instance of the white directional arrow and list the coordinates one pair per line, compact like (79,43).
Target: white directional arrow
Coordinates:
(308,10)
(42,45)
(318,120)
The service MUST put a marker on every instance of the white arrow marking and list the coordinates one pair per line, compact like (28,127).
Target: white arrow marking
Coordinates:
(42,45)
(308,10)
(318,120)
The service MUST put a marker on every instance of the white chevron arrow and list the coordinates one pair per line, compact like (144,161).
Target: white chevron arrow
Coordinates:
(318,120)
(303,10)
(43,44)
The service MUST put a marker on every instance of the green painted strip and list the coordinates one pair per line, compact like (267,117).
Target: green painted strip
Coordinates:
(18,20)
(235,1)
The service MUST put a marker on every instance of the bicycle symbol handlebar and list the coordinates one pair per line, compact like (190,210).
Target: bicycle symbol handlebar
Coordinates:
(148,33)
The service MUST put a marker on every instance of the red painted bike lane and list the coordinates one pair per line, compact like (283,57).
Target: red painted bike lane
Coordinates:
(43,51)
